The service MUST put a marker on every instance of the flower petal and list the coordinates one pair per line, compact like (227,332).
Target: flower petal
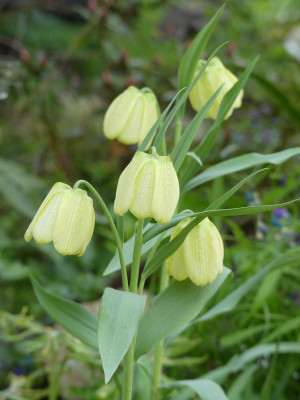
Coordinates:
(74,223)
(125,186)
(57,187)
(166,191)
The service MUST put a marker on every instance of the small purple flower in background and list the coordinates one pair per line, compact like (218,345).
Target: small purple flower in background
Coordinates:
(282,181)
(17,370)
(281,212)
(297,239)
(255,114)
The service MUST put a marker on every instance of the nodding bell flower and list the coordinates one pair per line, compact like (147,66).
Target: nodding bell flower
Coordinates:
(148,187)
(67,218)
(212,78)
(131,115)
(200,257)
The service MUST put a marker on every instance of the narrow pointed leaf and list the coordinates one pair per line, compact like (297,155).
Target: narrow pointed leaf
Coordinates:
(189,60)
(72,316)
(182,147)
(181,99)
(205,146)
(119,315)
(206,389)
(168,249)
(172,309)
(241,163)
(148,137)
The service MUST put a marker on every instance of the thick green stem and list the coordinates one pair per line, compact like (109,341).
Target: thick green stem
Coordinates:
(135,268)
(113,228)
(164,281)
(128,374)
(136,256)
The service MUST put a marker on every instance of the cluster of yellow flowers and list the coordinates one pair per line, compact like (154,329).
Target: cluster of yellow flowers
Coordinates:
(148,187)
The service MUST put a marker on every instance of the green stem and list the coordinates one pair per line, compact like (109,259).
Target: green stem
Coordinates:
(129,357)
(128,374)
(113,228)
(164,281)
(178,128)
(136,256)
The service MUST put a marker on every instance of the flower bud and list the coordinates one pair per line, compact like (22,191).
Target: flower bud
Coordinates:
(200,257)
(65,217)
(148,187)
(212,78)
(131,115)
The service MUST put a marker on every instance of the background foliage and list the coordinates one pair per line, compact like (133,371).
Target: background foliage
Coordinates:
(61,65)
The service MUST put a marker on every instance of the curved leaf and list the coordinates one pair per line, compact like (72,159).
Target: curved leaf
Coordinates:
(72,316)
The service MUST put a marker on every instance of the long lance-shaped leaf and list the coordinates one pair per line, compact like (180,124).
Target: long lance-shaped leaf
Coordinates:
(174,307)
(150,232)
(241,163)
(206,144)
(168,249)
(72,316)
(148,137)
(160,135)
(190,59)
(157,229)
(205,388)
(290,257)
(182,147)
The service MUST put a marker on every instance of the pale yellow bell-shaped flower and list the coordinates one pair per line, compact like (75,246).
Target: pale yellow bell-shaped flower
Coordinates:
(212,78)
(200,257)
(148,187)
(67,218)
(131,115)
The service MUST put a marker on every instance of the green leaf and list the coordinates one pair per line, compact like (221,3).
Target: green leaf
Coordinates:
(119,315)
(241,383)
(285,328)
(114,264)
(290,257)
(160,135)
(168,249)
(240,163)
(148,137)
(190,59)
(173,308)
(206,389)
(238,362)
(206,144)
(182,147)
(72,316)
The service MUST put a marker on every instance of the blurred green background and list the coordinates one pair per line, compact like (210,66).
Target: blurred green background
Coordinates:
(61,64)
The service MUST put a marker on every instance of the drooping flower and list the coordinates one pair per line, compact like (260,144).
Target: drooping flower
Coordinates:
(67,218)
(200,257)
(148,187)
(131,115)
(212,78)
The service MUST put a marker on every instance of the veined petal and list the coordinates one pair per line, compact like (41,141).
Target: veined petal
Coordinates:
(125,186)
(204,257)
(118,112)
(44,224)
(57,187)
(143,191)
(150,116)
(73,225)
(175,265)
(166,191)
(130,131)
(90,220)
